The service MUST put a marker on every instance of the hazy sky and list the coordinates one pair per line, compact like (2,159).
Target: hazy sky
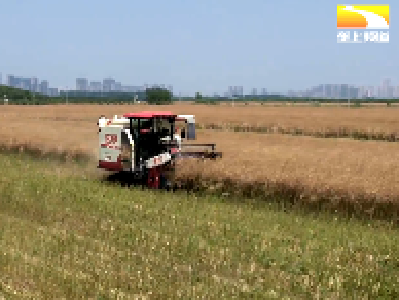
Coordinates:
(203,45)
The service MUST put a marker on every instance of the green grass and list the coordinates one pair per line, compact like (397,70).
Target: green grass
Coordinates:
(65,235)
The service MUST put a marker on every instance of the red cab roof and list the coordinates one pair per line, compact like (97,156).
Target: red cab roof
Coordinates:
(150,115)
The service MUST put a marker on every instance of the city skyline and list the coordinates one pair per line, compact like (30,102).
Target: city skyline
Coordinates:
(32,84)
(324,90)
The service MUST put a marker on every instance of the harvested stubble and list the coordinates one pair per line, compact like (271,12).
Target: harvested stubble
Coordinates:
(372,123)
(340,173)
(38,151)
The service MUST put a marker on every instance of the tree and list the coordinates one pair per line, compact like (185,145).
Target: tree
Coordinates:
(16,94)
(158,96)
(198,96)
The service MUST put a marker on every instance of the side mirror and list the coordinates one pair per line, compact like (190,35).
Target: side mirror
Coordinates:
(183,133)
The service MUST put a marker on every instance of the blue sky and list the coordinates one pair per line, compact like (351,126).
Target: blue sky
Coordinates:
(195,45)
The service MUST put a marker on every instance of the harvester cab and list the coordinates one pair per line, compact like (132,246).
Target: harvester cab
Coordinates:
(147,145)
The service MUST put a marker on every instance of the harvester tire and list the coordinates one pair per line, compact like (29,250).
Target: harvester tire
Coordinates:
(154,178)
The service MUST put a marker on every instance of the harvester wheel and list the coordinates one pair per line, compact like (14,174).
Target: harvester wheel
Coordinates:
(161,177)
(168,176)
(154,178)
(164,184)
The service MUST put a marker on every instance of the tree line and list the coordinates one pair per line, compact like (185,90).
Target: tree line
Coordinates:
(24,97)
(156,95)
(12,93)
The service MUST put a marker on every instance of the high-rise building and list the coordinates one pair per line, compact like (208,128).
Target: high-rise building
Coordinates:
(108,84)
(236,91)
(254,92)
(323,93)
(43,87)
(344,91)
(328,90)
(95,86)
(11,80)
(34,84)
(386,88)
(230,91)
(264,92)
(241,91)
(53,92)
(118,86)
(380,92)
(370,91)
(396,92)
(82,84)
(30,84)
(25,83)
(334,91)
(362,92)
(170,89)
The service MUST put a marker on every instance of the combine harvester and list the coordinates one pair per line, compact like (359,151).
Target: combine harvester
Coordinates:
(146,145)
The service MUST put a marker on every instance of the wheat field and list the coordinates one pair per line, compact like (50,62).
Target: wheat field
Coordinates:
(364,174)
(373,122)
(324,118)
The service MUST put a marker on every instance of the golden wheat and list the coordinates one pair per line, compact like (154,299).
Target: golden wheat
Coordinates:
(379,123)
(363,173)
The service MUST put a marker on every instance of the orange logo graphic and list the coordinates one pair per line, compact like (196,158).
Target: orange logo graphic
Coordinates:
(363,16)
